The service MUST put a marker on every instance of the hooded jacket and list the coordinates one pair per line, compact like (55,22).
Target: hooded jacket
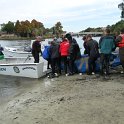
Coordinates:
(92,48)
(54,50)
(64,48)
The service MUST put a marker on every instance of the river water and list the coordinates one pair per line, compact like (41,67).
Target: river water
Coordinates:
(11,87)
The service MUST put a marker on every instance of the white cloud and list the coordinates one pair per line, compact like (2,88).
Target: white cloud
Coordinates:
(65,11)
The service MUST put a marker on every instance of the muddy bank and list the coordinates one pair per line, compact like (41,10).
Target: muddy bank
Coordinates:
(78,99)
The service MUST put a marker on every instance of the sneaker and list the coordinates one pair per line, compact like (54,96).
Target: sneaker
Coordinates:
(122,72)
(48,76)
(66,75)
(93,73)
(80,73)
(56,74)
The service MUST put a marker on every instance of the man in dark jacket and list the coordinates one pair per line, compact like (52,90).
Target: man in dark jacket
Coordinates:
(93,52)
(55,58)
(36,49)
(74,53)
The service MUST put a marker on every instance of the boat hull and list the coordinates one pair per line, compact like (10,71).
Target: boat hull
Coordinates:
(23,70)
(22,67)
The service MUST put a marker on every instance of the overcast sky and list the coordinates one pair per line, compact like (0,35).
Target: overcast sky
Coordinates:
(75,15)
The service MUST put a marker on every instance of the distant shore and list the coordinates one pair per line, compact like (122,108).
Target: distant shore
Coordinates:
(14,37)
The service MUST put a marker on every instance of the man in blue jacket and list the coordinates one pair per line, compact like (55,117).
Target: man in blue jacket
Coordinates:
(106,45)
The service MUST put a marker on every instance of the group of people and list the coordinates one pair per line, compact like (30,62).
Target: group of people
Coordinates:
(107,44)
(64,54)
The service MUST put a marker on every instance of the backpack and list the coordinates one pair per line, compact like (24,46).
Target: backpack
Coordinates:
(45,53)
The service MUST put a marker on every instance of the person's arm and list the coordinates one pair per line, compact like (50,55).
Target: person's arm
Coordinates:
(88,48)
(100,41)
(118,39)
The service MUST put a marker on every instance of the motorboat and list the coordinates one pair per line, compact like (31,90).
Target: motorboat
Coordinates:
(23,67)
(17,51)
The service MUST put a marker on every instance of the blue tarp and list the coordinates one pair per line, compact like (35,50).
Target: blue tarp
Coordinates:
(82,64)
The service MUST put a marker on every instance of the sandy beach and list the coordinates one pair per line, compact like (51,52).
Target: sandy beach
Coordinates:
(78,99)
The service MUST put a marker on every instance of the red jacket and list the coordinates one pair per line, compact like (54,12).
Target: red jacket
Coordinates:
(64,48)
(121,44)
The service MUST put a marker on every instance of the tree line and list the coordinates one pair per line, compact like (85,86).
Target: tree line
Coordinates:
(32,29)
(35,28)
(115,28)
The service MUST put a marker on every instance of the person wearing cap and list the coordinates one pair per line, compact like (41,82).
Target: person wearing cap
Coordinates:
(36,49)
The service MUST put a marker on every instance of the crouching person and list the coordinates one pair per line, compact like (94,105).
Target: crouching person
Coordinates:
(93,52)
(55,59)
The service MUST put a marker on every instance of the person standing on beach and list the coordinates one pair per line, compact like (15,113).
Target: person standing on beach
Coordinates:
(93,52)
(120,44)
(74,54)
(55,58)
(36,49)
(64,52)
(106,45)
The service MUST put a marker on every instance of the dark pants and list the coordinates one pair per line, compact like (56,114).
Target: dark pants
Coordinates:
(36,58)
(92,64)
(72,67)
(65,61)
(104,60)
(121,54)
(55,63)
(48,63)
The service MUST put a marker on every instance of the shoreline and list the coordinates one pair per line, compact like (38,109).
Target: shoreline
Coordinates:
(78,99)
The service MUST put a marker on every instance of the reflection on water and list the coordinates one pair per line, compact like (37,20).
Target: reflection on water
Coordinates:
(13,86)
(15,43)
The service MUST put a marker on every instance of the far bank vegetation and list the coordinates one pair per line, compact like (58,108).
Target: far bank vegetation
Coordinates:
(27,29)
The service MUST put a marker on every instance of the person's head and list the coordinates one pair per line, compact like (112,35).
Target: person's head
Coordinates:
(107,31)
(122,31)
(49,42)
(53,42)
(84,38)
(38,38)
(68,36)
(88,37)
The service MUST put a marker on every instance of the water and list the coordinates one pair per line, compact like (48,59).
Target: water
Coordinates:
(13,86)
(14,43)
(80,42)
(28,42)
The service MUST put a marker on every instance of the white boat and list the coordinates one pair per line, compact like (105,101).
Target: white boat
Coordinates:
(23,67)
(16,51)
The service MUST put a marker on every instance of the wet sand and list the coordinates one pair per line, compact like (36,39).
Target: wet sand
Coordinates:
(78,99)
